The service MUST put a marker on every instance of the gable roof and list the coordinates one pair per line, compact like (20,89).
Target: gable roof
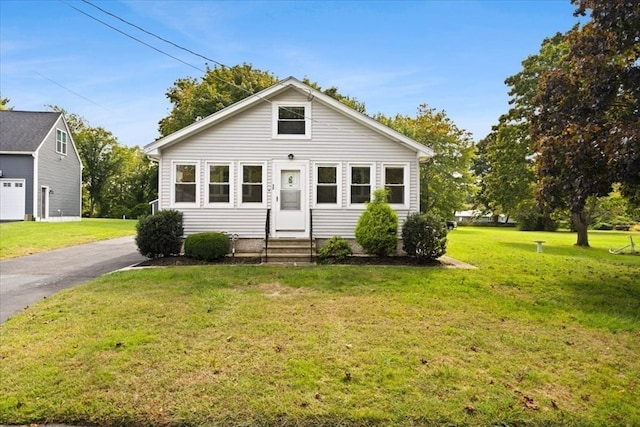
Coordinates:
(24,131)
(153,149)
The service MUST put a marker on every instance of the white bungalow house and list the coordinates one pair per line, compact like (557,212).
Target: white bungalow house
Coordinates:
(287,163)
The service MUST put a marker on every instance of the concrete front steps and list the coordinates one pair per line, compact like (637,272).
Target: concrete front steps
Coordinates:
(293,251)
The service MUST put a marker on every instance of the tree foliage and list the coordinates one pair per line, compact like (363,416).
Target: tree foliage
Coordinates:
(445,180)
(117,180)
(586,120)
(220,87)
(505,158)
(4,104)
(194,99)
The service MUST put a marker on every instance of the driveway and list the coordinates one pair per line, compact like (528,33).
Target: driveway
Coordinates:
(28,279)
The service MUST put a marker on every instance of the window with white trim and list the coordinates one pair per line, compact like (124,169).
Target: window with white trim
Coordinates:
(327,185)
(219,184)
(360,179)
(394,183)
(61,142)
(185,183)
(291,120)
(252,178)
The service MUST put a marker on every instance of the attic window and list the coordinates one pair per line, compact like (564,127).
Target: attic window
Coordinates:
(61,142)
(291,120)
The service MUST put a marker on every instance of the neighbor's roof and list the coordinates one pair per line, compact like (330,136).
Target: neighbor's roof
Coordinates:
(153,149)
(24,131)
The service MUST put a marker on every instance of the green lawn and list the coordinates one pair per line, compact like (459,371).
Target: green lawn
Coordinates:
(525,339)
(29,237)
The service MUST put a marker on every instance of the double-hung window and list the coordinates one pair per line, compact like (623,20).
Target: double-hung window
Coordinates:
(253,184)
(327,185)
(292,120)
(219,189)
(61,142)
(394,182)
(360,179)
(185,183)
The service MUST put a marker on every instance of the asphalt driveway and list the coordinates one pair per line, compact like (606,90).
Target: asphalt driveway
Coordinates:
(26,280)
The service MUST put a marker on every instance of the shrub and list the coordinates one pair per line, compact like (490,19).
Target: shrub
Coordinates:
(336,248)
(424,236)
(206,246)
(377,229)
(160,234)
(531,219)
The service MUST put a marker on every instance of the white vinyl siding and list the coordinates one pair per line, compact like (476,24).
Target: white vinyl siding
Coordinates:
(247,138)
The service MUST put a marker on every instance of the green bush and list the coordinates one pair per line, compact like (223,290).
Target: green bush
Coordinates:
(424,236)
(531,219)
(206,246)
(336,248)
(160,234)
(377,229)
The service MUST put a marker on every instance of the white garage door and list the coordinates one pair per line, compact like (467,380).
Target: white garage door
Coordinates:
(11,199)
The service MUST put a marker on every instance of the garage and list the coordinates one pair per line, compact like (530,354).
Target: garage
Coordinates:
(12,199)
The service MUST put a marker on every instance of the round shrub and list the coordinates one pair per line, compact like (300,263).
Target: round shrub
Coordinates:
(377,229)
(206,246)
(160,234)
(336,248)
(424,236)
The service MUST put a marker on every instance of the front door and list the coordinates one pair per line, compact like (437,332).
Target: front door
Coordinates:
(290,198)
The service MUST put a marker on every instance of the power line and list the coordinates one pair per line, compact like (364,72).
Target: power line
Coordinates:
(153,34)
(176,58)
(69,90)
(133,38)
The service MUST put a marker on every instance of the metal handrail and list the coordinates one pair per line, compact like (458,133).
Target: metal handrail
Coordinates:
(267,227)
(311,235)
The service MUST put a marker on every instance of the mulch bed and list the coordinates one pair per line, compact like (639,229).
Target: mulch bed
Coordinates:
(353,260)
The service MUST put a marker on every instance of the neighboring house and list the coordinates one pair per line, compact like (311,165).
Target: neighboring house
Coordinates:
(477,216)
(290,162)
(40,169)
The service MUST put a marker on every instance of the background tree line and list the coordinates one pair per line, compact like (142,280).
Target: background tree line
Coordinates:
(569,146)
(117,181)
(568,149)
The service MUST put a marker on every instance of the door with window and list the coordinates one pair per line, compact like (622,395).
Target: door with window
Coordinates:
(290,198)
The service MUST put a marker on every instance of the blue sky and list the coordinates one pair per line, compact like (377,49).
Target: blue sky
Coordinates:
(392,55)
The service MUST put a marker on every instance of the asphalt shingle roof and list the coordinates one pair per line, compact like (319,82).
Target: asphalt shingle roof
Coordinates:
(25,130)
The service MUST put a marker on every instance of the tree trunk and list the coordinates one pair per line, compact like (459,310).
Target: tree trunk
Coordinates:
(580,222)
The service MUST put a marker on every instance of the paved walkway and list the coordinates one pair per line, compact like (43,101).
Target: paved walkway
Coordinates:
(28,279)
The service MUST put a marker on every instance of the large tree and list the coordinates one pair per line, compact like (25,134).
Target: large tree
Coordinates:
(585,125)
(194,99)
(505,158)
(98,150)
(445,180)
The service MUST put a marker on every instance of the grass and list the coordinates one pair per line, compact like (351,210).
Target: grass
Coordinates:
(525,339)
(28,237)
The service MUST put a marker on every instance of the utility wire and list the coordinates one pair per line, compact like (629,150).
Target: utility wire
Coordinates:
(176,58)
(153,34)
(133,38)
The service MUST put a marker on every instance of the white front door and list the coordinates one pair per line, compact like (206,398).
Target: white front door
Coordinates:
(290,198)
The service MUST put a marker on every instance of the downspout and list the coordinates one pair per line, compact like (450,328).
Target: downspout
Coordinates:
(35,194)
